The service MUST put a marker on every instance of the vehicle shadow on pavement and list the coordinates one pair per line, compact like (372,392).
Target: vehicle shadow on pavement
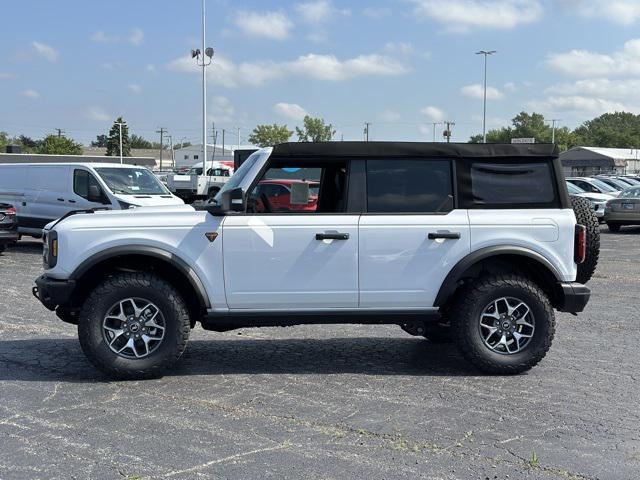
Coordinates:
(27,246)
(62,360)
(623,231)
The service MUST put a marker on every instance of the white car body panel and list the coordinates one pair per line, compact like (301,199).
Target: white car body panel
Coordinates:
(399,265)
(274,262)
(548,232)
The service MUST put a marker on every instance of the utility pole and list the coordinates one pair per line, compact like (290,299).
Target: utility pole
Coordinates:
(553,129)
(173,153)
(486,53)
(366,131)
(434,129)
(120,124)
(223,130)
(161,132)
(238,138)
(447,132)
(60,131)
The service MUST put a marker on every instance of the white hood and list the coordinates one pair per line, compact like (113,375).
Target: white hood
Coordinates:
(596,197)
(150,200)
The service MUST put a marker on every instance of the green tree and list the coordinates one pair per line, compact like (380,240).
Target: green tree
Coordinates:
(613,130)
(137,141)
(269,135)
(100,141)
(113,141)
(55,145)
(315,130)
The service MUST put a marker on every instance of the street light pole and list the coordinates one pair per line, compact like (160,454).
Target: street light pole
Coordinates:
(486,53)
(120,135)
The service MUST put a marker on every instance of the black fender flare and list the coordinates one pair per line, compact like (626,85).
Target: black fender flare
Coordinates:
(450,282)
(149,251)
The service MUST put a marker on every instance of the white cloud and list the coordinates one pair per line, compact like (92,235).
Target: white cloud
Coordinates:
(476,91)
(29,93)
(46,51)
(510,86)
(462,15)
(577,104)
(135,88)
(292,111)
(274,25)
(376,12)
(319,11)
(623,12)
(586,64)
(7,76)
(100,37)
(433,114)
(390,116)
(222,110)
(399,48)
(97,114)
(150,67)
(320,67)
(136,37)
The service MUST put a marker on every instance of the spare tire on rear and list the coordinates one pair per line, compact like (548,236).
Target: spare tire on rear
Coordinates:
(585,215)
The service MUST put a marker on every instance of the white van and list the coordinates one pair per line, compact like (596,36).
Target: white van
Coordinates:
(43,192)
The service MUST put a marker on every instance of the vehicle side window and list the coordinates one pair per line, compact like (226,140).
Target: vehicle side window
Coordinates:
(82,182)
(506,183)
(409,186)
(302,187)
(585,186)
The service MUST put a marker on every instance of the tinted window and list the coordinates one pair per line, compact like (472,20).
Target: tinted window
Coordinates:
(82,180)
(518,184)
(409,186)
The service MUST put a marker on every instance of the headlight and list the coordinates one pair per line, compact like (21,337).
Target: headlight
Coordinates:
(50,249)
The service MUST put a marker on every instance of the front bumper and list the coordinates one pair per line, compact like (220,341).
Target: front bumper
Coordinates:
(574,297)
(53,293)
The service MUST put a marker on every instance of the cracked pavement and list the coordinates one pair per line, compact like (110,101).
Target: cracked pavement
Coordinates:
(334,401)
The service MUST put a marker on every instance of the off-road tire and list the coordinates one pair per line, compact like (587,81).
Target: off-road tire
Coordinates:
(614,227)
(465,318)
(585,215)
(119,287)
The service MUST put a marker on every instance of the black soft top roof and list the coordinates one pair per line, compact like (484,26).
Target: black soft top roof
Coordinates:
(413,149)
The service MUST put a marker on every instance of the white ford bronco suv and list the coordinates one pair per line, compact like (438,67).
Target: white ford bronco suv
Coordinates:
(477,244)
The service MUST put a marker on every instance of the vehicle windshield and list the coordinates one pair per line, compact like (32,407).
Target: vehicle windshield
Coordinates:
(574,189)
(238,176)
(131,181)
(602,186)
(633,192)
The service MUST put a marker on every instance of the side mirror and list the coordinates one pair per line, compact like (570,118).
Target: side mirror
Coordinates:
(95,194)
(234,200)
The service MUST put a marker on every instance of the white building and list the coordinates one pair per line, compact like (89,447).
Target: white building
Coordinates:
(188,156)
(594,160)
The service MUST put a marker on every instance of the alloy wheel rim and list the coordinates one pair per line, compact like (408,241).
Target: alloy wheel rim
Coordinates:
(506,325)
(133,328)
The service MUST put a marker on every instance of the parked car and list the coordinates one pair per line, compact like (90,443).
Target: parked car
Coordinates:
(8,226)
(43,192)
(594,185)
(598,200)
(630,180)
(475,243)
(623,210)
(193,185)
(282,195)
(614,182)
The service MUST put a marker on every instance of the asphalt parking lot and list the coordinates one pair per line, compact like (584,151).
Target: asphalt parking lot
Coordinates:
(325,401)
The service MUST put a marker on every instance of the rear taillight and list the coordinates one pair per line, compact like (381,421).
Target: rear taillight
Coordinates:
(10,211)
(580,248)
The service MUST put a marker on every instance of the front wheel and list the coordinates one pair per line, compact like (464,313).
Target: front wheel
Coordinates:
(134,326)
(503,324)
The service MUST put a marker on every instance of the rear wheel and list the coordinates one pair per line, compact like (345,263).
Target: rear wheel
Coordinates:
(503,324)
(614,227)
(585,215)
(134,326)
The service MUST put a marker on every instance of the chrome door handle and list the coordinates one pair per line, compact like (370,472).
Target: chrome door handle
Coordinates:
(444,235)
(332,236)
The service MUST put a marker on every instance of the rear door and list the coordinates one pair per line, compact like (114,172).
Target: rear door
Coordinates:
(411,235)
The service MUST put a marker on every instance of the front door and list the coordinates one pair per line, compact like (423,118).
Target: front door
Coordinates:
(411,235)
(301,253)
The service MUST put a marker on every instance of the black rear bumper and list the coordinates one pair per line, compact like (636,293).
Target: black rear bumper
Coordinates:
(53,293)
(574,297)
(8,236)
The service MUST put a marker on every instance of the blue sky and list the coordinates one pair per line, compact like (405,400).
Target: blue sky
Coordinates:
(399,64)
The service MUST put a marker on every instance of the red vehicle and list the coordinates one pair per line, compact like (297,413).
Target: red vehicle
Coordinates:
(275,196)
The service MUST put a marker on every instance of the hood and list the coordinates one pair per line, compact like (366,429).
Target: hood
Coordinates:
(149,200)
(596,197)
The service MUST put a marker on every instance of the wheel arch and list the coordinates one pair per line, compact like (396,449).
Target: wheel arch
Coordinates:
(501,259)
(142,258)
